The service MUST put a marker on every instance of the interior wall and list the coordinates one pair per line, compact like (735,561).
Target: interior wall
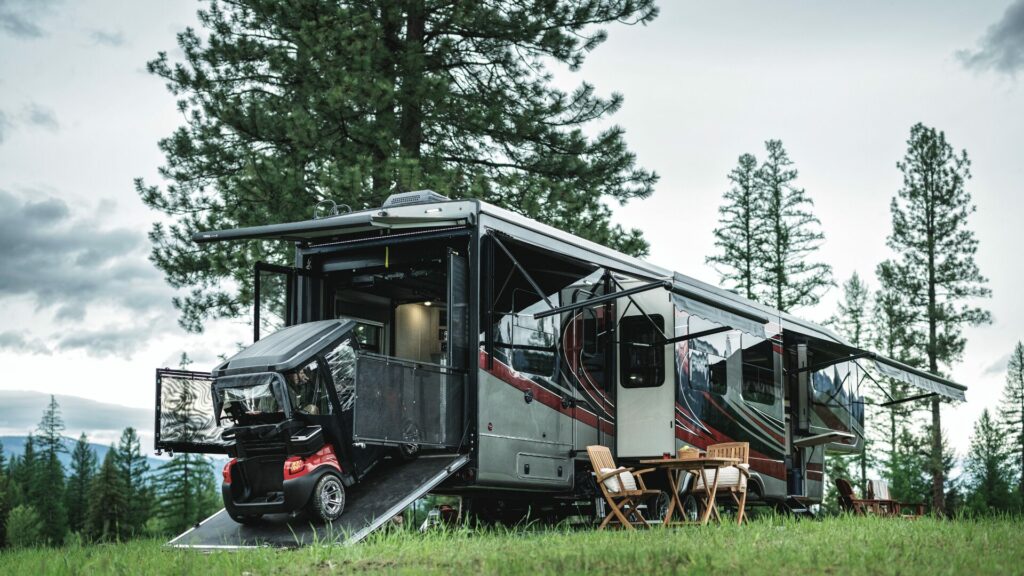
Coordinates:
(417,332)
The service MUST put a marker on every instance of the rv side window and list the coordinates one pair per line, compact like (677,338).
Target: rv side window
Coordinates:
(707,365)
(758,373)
(643,363)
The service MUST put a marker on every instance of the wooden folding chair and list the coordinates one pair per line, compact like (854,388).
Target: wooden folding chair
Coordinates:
(734,478)
(848,501)
(621,488)
(879,490)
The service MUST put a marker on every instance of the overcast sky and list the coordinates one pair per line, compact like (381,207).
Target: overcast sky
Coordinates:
(84,313)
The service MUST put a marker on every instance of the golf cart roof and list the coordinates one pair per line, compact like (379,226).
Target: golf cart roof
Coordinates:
(287,348)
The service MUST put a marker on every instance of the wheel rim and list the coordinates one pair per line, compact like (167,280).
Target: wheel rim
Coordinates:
(691,508)
(331,497)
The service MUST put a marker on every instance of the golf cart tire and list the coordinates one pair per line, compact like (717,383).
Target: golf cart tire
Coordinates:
(327,502)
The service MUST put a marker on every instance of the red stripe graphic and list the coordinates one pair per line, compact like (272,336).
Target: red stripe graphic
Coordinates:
(541,394)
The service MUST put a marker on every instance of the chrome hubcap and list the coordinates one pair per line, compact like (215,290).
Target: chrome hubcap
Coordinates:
(331,497)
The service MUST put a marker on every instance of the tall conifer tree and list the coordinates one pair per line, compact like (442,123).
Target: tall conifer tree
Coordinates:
(987,465)
(4,498)
(789,275)
(935,264)
(134,470)
(287,104)
(852,319)
(83,470)
(108,506)
(740,233)
(187,491)
(895,334)
(1011,412)
(47,492)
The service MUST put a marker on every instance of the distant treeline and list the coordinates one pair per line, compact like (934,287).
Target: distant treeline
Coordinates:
(120,498)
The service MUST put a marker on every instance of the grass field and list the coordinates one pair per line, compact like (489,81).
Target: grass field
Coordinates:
(767,546)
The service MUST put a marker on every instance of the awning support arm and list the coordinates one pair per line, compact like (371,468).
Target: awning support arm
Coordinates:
(640,309)
(908,399)
(533,284)
(602,299)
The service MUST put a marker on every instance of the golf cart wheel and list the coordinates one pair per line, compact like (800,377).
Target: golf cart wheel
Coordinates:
(247,519)
(328,499)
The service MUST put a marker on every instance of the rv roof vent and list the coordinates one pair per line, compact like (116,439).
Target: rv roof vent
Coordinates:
(417,197)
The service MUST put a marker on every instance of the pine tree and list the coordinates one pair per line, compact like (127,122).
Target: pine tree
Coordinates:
(895,334)
(24,527)
(83,470)
(852,321)
(740,234)
(134,470)
(935,267)
(47,492)
(908,469)
(4,498)
(789,277)
(288,104)
(987,467)
(108,506)
(1011,412)
(24,472)
(186,491)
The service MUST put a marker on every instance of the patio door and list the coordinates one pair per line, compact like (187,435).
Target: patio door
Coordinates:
(645,409)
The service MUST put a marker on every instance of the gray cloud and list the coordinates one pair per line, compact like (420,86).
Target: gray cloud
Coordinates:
(22,342)
(73,266)
(41,116)
(4,126)
(1002,47)
(999,366)
(20,18)
(114,38)
(118,341)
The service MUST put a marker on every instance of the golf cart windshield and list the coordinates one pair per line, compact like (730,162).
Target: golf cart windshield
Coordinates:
(250,397)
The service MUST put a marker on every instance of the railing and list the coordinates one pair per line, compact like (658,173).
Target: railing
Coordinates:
(399,402)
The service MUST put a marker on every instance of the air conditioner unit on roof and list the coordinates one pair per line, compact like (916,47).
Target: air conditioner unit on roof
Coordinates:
(417,197)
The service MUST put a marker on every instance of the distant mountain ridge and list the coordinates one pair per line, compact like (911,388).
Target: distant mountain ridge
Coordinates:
(15,446)
(20,411)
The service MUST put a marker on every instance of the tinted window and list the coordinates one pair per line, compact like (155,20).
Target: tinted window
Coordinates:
(643,362)
(758,370)
(708,358)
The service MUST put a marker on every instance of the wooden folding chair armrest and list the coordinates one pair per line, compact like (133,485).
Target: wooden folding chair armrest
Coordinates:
(602,476)
(644,471)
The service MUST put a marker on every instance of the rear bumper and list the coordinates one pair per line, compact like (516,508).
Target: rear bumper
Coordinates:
(294,496)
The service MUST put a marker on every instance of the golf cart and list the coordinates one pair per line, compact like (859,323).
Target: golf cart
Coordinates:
(285,407)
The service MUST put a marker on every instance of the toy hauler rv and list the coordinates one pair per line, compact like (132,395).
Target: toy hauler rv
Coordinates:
(496,349)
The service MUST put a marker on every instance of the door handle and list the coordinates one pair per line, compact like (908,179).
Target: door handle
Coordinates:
(528,395)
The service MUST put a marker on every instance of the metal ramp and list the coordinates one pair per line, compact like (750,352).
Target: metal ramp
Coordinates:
(380,496)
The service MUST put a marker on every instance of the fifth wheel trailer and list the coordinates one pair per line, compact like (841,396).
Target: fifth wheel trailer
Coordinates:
(501,347)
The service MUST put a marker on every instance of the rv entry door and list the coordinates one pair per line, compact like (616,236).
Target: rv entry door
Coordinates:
(645,409)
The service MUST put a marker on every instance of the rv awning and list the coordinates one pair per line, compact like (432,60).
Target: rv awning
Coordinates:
(828,352)
(718,315)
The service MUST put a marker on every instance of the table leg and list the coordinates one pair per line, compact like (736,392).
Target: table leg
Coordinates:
(672,502)
(713,495)
(708,503)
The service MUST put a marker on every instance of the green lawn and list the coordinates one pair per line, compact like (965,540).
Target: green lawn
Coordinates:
(767,546)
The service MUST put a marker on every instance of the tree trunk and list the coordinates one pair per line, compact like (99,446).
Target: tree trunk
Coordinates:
(411,123)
